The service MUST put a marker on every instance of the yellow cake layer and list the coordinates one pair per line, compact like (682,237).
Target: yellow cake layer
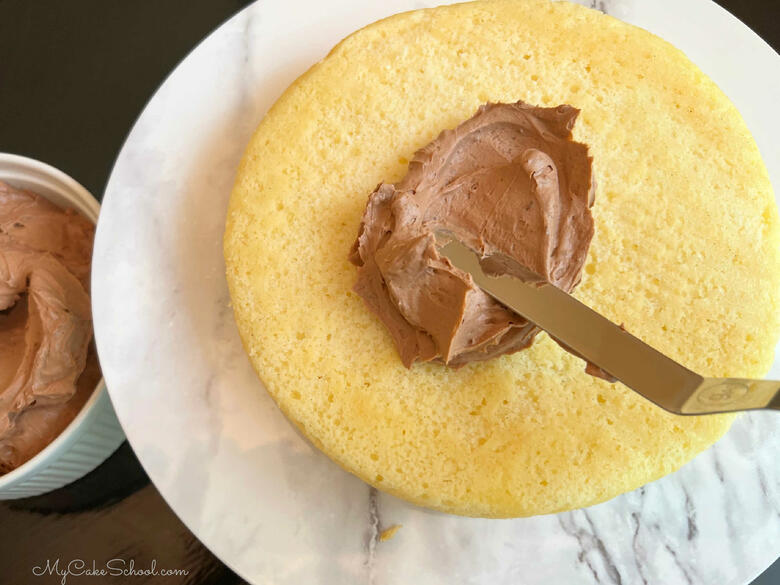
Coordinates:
(686,254)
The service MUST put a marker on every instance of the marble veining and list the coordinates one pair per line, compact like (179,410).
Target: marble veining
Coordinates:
(240,476)
(374,531)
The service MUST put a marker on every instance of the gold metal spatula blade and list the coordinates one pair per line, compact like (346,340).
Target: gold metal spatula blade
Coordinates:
(618,353)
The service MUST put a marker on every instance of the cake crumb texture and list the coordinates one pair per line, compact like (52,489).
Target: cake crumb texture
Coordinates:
(686,254)
(389,533)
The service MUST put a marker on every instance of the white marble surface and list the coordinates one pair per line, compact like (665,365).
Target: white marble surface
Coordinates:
(265,501)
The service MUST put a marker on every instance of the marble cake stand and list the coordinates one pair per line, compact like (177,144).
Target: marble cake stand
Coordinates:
(267,503)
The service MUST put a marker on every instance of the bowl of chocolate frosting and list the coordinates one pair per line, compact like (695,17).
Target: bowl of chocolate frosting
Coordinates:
(56,419)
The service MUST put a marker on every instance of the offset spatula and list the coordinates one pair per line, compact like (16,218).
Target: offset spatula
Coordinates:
(617,352)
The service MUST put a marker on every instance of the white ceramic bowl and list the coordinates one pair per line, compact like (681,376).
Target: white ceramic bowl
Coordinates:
(95,432)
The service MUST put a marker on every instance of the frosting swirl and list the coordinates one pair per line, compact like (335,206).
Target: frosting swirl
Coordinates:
(509,181)
(45,321)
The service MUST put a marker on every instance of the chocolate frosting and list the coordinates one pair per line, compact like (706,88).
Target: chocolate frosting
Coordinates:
(511,183)
(45,319)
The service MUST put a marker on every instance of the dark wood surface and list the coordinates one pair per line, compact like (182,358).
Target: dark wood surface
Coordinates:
(74,75)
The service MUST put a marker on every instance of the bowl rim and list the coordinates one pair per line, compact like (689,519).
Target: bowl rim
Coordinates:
(84,202)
